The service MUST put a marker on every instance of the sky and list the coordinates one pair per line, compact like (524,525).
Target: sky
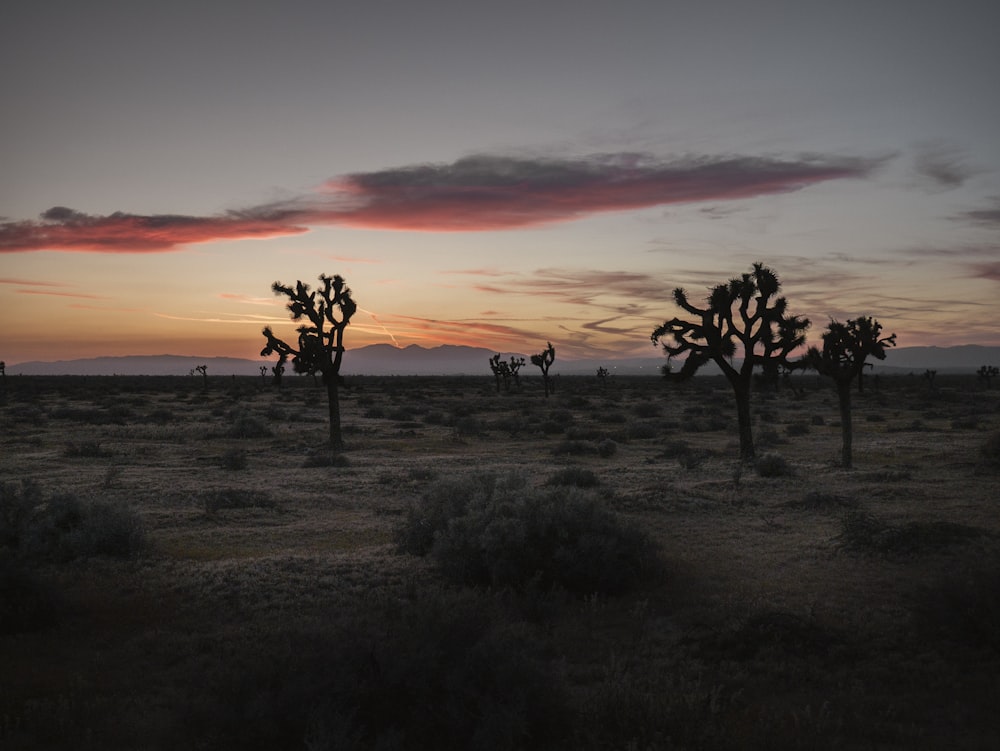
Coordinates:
(496,175)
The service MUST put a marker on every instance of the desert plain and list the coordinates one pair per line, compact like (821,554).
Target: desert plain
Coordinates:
(253,591)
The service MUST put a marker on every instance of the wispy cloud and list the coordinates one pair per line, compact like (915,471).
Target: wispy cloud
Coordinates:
(250,300)
(52,293)
(30,283)
(476,193)
(988,217)
(989,271)
(939,165)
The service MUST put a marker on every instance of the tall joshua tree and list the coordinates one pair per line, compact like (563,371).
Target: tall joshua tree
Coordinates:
(321,340)
(846,346)
(544,360)
(742,318)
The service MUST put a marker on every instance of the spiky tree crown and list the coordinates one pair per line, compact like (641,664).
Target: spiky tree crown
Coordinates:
(846,346)
(321,341)
(544,358)
(742,314)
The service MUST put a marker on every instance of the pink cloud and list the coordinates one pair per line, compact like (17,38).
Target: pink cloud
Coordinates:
(68,230)
(473,194)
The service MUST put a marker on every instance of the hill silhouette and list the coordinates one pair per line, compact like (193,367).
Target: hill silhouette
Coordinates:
(384,359)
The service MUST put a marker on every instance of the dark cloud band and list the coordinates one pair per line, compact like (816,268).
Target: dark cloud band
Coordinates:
(474,194)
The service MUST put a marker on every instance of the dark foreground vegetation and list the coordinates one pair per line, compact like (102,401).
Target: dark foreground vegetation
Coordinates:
(184,563)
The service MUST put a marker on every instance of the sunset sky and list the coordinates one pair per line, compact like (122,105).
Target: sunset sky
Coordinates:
(491,174)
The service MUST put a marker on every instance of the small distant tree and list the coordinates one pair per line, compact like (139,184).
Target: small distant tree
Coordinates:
(986,373)
(514,365)
(602,376)
(743,317)
(929,376)
(203,369)
(321,341)
(846,346)
(278,370)
(544,360)
(263,374)
(500,370)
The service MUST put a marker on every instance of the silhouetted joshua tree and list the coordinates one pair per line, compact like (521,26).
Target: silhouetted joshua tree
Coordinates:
(500,370)
(602,376)
(514,365)
(263,374)
(203,369)
(278,370)
(743,318)
(544,360)
(929,376)
(846,346)
(321,343)
(986,373)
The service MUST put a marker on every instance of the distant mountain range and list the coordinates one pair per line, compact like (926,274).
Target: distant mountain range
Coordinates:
(384,359)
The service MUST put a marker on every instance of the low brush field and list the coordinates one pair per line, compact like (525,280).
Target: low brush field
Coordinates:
(185,565)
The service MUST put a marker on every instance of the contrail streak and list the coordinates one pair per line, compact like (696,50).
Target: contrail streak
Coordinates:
(382,326)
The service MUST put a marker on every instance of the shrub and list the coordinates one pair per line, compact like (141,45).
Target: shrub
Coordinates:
(67,528)
(18,502)
(866,533)
(578,477)
(646,410)
(819,501)
(796,429)
(574,448)
(495,532)
(772,465)
(85,449)
(607,448)
(990,450)
(639,431)
(236,498)
(325,459)
(246,425)
(446,671)
(234,460)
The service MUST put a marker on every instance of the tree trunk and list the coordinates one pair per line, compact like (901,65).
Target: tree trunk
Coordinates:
(844,397)
(742,393)
(333,397)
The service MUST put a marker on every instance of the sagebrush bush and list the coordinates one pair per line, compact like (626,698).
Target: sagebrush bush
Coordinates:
(86,450)
(495,531)
(236,498)
(578,477)
(990,450)
(65,527)
(325,459)
(18,502)
(233,459)
(773,465)
(866,533)
(247,425)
